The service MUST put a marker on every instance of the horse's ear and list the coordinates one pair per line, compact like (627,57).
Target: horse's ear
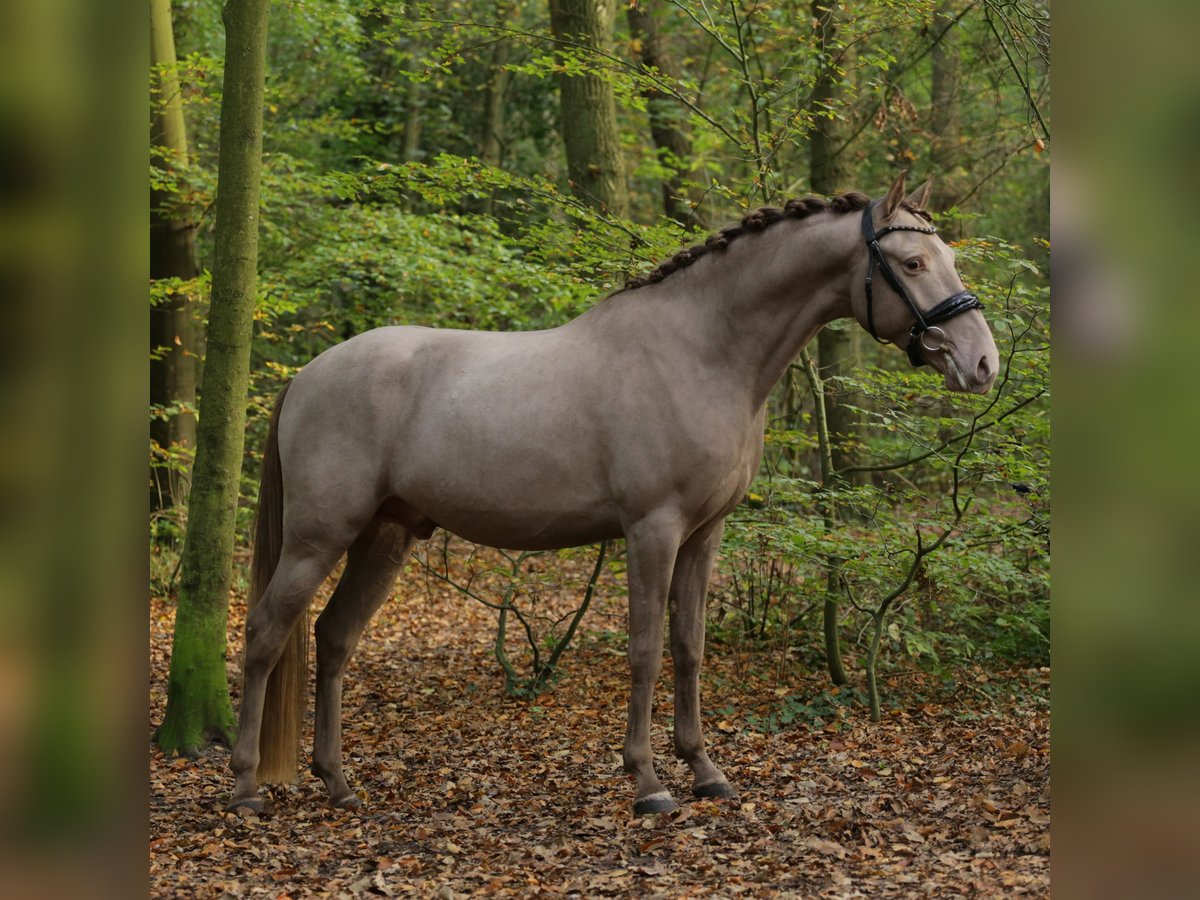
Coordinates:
(895,196)
(919,199)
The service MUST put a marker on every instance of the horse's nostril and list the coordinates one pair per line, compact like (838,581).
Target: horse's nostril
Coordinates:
(984,372)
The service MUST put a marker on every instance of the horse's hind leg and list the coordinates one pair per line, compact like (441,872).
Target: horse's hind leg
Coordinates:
(300,571)
(372,564)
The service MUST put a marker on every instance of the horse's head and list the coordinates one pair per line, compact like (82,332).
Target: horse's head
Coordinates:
(906,291)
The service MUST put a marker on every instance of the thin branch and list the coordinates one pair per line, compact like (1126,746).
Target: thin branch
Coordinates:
(901,70)
(987,15)
(710,30)
(888,467)
(752,94)
(583,607)
(1011,155)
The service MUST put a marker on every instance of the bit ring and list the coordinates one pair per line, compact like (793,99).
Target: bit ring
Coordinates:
(942,343)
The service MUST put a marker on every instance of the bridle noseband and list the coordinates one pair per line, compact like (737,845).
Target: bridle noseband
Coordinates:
(954,305)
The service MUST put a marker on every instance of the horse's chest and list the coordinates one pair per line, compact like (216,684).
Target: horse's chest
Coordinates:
(717,480)
(739,475)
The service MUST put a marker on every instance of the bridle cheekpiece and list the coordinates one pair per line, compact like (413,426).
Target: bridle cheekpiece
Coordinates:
(954,305)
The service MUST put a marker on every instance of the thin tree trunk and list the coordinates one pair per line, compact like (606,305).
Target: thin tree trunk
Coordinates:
(666,129)
(412,121)
(198,704)
(825,172)
(412,54)
(172,255)
(944,134)
(836,352)
(833,647)
(943,111)
(491,141)
(589,109)
(835,348)
(491,135)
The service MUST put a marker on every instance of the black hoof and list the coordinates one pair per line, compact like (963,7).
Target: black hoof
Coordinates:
(252,805)
(715,790)
(655,803)
(350,801)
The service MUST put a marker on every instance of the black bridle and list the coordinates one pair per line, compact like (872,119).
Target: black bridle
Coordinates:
(954,305)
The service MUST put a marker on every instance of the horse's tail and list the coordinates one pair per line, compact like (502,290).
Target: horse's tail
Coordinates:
(283,709)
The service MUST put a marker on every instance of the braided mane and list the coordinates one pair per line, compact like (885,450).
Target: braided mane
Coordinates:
(754,222)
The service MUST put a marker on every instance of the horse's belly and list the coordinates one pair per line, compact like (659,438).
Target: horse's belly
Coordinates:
(525,526)
(550,534)
(514,507)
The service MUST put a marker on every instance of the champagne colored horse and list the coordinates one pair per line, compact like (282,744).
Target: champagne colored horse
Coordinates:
(642,419)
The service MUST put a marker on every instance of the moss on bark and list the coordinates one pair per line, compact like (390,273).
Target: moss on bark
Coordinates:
(198,704)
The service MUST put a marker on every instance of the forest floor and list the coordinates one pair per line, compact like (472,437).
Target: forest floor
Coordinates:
(469,792)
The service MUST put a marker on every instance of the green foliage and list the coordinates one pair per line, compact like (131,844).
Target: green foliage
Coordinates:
(813,712)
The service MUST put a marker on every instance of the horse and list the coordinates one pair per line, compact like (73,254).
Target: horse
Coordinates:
(643,418)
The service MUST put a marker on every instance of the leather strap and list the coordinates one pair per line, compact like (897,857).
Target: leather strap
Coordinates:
(952,306)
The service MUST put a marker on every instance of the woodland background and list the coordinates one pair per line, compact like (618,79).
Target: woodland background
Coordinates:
(499,165)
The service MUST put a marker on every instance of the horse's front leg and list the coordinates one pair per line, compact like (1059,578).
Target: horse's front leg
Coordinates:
(651,546)
(689,584)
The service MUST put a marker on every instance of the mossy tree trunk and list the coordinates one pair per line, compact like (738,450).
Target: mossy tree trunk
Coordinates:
(172,255)
(589,109)
(198,705)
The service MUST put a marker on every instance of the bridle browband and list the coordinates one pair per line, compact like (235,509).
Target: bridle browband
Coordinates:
(954,305)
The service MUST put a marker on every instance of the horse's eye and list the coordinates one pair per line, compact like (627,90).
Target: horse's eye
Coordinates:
(914,264)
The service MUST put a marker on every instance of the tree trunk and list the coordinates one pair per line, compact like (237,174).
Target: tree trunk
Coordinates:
(411,53)
(198,705)
(412,122)
(943,111)
(825,172)
(589,110)
(944,156)
(835,348)
(172,255)
(828,508)
(491,132)
(666,129)
(491,141)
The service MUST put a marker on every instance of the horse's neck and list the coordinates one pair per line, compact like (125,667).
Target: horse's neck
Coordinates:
(750,309)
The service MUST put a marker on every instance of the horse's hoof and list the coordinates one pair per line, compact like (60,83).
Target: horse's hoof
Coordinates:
(655,803)
(253,805)
(350,801)
(715,790)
